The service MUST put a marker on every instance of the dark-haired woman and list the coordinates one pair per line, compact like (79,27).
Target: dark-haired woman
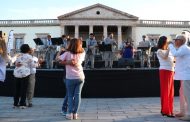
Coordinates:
(166,72)
(23,63)
(72,59)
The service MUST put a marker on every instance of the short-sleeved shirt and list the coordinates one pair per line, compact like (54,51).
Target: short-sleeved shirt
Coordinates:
(74,72)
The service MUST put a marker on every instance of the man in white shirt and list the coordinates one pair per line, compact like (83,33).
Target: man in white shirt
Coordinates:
(32,79)
(182,72)
(110,45)
(145,55)
(91,50)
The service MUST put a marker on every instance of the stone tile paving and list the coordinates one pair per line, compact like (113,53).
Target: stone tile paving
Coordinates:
(91,110)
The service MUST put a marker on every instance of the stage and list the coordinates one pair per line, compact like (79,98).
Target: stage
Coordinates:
(99,83)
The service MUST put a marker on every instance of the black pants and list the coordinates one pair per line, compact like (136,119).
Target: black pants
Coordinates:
(20,91)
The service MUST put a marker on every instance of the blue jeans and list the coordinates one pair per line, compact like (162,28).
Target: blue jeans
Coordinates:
(65,101)
(74,88)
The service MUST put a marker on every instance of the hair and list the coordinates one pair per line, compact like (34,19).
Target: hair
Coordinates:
(25,48)
(110,33)
(91,34)
(75,46)
(144,36)
(161,42)
(63,36)
(3,48)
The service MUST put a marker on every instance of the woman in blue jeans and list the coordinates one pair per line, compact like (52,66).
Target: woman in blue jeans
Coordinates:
(72,59)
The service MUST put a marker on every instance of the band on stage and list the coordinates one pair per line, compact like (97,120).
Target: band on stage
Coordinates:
(105,50)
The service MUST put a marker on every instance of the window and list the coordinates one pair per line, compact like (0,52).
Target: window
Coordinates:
(18,41)
(98,12)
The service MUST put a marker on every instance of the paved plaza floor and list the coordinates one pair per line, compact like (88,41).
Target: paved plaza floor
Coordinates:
(91,110)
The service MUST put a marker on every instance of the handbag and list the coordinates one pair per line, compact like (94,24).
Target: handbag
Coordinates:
(21,72)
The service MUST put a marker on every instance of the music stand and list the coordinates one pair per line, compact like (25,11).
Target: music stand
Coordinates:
(108,47)
(57,41)
(83,44)
(38,41)
(154,49)
(101,47)
(143,48)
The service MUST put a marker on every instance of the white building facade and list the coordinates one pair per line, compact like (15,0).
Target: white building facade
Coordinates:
(98,19)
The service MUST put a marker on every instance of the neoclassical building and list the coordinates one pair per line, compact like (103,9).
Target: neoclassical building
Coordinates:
(98,19)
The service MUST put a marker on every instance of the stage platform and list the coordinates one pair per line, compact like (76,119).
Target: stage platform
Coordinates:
(99,83)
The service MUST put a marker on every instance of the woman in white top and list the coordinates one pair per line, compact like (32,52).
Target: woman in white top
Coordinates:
(166,72)
(3,58)
(72,59)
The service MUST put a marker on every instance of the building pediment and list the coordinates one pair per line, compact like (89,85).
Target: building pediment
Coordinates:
(98,11)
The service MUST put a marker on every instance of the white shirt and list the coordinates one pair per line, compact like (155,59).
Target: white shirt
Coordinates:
(165,59)
(35,63)
(182,67)
(25,59)
(145,43)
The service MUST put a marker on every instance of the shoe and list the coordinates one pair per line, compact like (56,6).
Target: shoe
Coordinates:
(75,116)
(170,116)
(22,107)
(63,113)
(15,106)
(185,118)
(179,114)
(69,116)
(163,114)
(30,105)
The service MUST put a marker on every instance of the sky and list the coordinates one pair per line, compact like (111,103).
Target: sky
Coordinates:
(51,9)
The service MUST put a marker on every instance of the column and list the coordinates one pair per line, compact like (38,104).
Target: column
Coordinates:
(62,30)
(119,33)
(133,35)
(90,29)
(76,31)
(105,31)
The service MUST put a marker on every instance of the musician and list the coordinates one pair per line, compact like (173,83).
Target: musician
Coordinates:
(50,52)
(91,50)
(145,55)
(153,43)
(127,51)
(108,54)
(65,43)
(153,46)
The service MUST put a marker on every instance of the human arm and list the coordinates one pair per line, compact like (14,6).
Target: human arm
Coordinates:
(62,59)
(163,55)
(181,51)
(93,45)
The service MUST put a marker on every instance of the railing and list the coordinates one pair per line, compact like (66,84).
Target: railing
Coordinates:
(53,22)
(37,22)
(163,23)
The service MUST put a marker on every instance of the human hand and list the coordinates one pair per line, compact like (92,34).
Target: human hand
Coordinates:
(73,62)
(170,42)
(18,64)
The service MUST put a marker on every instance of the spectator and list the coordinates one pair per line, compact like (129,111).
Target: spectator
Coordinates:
(73,58)
(166,71)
